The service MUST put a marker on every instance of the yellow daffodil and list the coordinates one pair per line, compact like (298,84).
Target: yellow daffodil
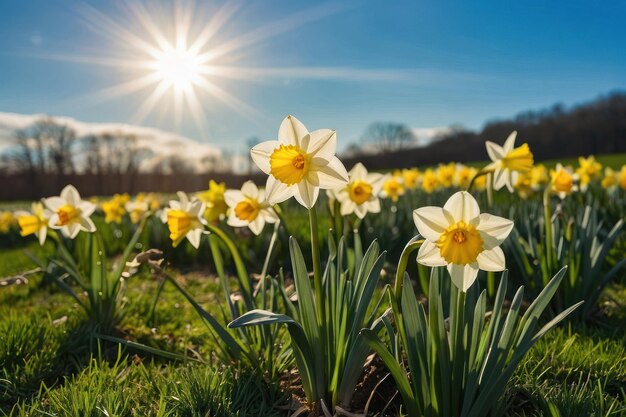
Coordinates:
(34,222)
(622,178)
(213,199)
(610,179)
(460,237)
(562,181)
(360,196)
(463,175)
(480,183)
(508,161)
(248,207)
(153,202)
(429,181)
(114,210)
(589,167)
(299,163)
(392,188)
(538,176)
(7,220)
(184,220)
(445,174)
(70,214)
(137,209)
(524,185)
(410,178)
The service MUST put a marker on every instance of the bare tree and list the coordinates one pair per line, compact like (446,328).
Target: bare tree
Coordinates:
(388,137)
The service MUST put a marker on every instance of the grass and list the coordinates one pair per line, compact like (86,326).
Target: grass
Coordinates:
(52,364)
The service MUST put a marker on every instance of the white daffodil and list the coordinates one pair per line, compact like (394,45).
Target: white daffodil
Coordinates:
(508,162)
(248,207)
(136,210)
(70,214)
(299,163)
(34,222)
(460,237)
(360,196)
(184,220)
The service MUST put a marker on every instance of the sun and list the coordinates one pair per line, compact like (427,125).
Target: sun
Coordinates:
(177,59)
(179,68)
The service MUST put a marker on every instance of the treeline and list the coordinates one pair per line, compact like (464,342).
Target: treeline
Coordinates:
(47,155)
(598,127)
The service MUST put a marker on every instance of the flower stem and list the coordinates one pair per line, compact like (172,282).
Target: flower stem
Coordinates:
(317,266)
(266,263)
(548,216)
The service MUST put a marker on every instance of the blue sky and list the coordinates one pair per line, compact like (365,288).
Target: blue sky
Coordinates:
(423,63)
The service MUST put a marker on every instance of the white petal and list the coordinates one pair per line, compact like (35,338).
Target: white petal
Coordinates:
(41,234)
(277,192)
(53,221)
(332,175)
(235,221)
(256,226)
(347,207)
(54,203)
(494,150)
(233,197)
(86,208)
(291,131)
(500,179)
(87,224)
(510,142)
(373,206)
(72,229)
(430,255)
(322,143)
(358,172)
(463,276)
(360,211)
(493,229)
(462,206)
(261,154)
(431,222)
(183,200)
(249,189)
(269,215)
(70,194)
(194,237)
(306,194)
(491,260)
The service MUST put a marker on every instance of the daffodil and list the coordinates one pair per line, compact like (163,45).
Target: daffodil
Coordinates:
(114,210)
(153,202)
(463,175)
(70,214)
(445,174)
(299,163)
(622,178)
(429,181)
(34,222)
(360,196)
(248,207)
(589,167)
(213,199)
(184,220)
(7,220)
(508,162)
(137,209)
(538,176)
(392,187)
(524,185)
(562,181)
(410,178)
(460,237)
(610,180)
